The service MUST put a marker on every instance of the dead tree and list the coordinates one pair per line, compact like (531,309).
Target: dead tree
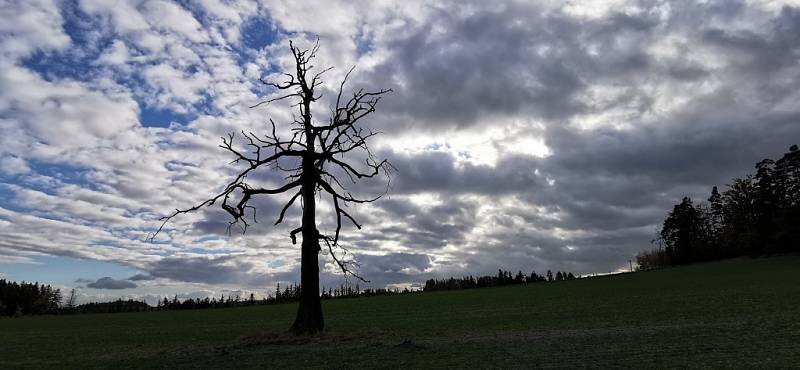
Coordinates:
(317,154)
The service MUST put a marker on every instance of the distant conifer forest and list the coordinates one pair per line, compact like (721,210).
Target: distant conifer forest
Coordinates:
(18,299)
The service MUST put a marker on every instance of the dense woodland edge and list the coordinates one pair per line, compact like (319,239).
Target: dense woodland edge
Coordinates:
(756,215)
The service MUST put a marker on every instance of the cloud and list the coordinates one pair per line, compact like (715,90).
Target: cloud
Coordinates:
(439,171)
(109,283)
(526,136)
(174,87)
(408,263)
(116,54)
(211,270)
(13,259)
(31,26)
(125,16)
(52,116)
(453,71)
(14,166)
(140,277)
(171,16)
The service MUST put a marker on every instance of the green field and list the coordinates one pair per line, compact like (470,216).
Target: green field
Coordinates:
(736,313)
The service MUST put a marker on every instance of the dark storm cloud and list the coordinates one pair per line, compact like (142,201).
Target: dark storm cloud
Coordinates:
(140,277)
(530,248)
(762,53)
(510,59)
(616,186)
(392,268)
(217,221)
(109,283)
(424,227)
(210,270)
(454,69)
(395,262)
(708,144)
(438,171)
(611,186)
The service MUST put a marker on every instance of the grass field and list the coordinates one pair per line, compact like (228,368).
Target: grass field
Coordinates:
(736,313)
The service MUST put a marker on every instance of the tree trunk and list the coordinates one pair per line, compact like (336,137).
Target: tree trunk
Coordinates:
(309,313)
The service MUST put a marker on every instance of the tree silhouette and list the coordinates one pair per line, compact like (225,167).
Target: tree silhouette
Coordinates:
(684,232)
(758,214)
(315,153)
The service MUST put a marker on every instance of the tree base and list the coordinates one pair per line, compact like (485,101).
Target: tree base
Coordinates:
(309,318)
(306,328)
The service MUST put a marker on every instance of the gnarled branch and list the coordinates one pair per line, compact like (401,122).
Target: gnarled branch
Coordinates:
(312,147)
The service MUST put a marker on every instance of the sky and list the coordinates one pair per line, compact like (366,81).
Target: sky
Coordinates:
(526,135)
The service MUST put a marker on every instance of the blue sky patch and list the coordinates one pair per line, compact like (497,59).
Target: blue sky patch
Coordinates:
(160,117)
(76,61)
(64,270)
(364,42)
(259,32)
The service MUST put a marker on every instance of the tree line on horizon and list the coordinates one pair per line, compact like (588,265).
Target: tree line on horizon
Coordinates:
(18,299)
(289,294)
(22,299)
(501,279)
(756,215)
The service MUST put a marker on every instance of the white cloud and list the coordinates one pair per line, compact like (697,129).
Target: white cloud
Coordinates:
(29,26)
(12,165)
(124,14)
(229,16)
(63,114)
(15,260)
(484,147)
(174,87)
(116,54)
(167,15)
(595,9)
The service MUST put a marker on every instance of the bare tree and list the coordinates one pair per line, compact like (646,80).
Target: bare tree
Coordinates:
(316,154)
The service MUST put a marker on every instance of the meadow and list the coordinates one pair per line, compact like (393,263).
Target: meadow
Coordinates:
(735,313)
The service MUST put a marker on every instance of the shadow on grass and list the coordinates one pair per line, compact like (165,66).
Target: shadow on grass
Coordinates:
(285,338)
